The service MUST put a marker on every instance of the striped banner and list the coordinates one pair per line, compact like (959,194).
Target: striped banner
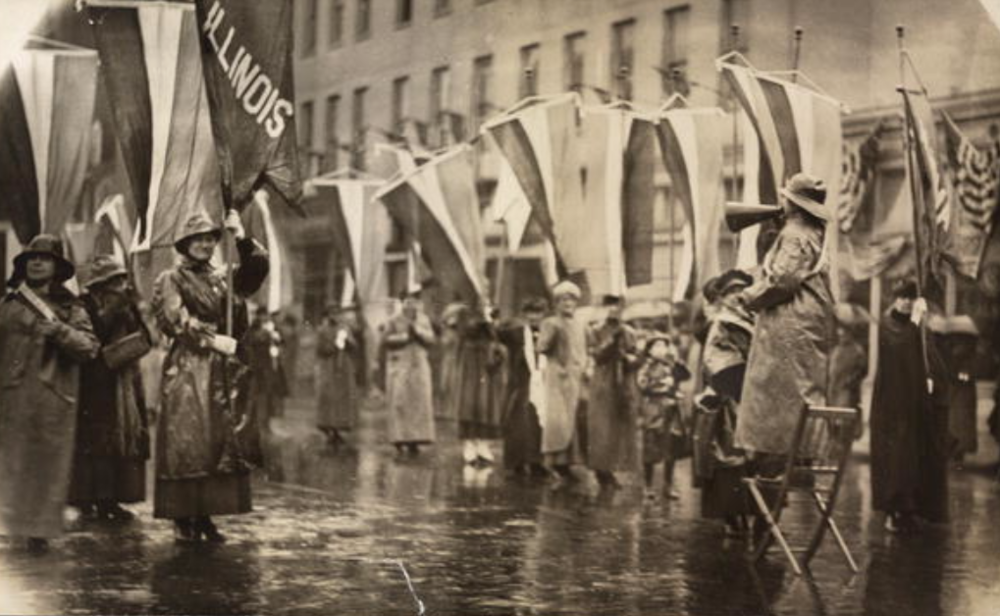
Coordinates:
(275,294)
(539,138)
(47,105)
(151,61)
(438,206)
(510,206)
(928,193)
(360,226)
(691,141)
(798,127)
(993,8)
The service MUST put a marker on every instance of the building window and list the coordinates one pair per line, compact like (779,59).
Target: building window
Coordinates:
(400,104)
(305,124)
(309,18)
(336,23)
(622,58)
(442,8)
(404,13)
(482,73)
(359,129)
(573,55)
(676,28)
(331,157)
(439,103)
(529,70)
(363,21)
(734,13)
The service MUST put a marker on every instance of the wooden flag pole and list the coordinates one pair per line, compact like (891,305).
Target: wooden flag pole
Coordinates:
(797,54)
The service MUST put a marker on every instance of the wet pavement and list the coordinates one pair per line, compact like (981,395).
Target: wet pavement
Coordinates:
(363,533)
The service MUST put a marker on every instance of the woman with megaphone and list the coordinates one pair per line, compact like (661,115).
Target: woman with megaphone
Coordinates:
(794,332)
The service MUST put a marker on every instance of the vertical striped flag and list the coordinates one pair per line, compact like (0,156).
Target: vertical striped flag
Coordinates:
(975,179)
(691,142)
(47,105)
(510,206)
(993,8)
(438,206)
(151,64)
(928,193)
(259,224)
(539,138)
(360,226)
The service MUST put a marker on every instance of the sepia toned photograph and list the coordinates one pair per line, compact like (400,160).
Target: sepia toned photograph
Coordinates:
(500,307)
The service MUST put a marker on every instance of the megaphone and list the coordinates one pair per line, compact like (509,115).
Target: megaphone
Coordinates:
(739,216)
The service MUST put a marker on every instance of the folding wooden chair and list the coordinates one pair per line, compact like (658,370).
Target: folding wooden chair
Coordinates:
(814,467)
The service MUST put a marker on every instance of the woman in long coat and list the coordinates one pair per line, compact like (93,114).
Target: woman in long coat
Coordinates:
(793,336)
(563,342)
(480,381)
(409,384)
(909,423)
(45,334)
(338,344)
(112,431)
(613,407)
(522,452)
(201,465)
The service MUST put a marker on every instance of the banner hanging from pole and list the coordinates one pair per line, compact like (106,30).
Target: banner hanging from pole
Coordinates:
(247,59)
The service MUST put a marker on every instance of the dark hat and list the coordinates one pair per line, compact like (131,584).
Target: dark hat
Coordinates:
(103,268)
(710,290)
(612,300)
(44,245)
(809,193)
(732,280)
(199,223)
(534,304)
(658,337)
(905,288)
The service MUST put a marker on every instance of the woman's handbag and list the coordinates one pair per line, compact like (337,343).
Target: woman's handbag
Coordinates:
(127,349)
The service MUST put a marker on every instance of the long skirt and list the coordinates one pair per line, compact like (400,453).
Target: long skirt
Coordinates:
(211,495)
(522,434)
(107,479)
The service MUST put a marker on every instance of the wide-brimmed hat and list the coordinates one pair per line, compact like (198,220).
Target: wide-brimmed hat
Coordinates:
(198,224)
(659,337)
(103,268)
(808,193)
(45,245)
(566,287)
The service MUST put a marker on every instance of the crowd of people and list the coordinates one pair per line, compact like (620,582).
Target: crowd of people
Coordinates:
(564,389)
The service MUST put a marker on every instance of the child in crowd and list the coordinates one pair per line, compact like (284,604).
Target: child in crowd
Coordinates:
(662,425)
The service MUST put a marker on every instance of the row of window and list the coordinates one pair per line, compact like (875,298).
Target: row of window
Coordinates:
(444,125)
(310,25)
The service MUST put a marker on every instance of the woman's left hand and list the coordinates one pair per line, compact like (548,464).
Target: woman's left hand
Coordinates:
(235,224)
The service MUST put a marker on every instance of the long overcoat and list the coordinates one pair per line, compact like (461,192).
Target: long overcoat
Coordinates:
(197,431)
(522,425)
(793,337)
(909,425)
(339,395)
(613,408)
(563,342)
(39,385)
(409,383)
(112,432)
(481,381)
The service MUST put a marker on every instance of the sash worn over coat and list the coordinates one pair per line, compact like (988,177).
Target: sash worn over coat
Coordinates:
(794,334)
(613,407)
(522,424)
(409,384)
(201,462)
(563,342)
(112,432)
(39,383)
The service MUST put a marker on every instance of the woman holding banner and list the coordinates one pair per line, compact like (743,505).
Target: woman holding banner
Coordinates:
(201,469)
(45,334)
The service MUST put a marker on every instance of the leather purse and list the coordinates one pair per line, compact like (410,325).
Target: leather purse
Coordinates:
(127,349)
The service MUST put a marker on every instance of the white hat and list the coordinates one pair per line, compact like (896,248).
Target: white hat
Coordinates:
(566,287)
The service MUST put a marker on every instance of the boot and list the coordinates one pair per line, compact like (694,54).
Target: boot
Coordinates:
(208,531)
(184,531)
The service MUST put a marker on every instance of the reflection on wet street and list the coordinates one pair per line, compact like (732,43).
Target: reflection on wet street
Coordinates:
(337,533)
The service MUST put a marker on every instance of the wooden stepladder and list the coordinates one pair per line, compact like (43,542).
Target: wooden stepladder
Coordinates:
(815,469)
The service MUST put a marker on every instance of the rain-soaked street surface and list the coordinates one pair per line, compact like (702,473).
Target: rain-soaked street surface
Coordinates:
(340,533)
